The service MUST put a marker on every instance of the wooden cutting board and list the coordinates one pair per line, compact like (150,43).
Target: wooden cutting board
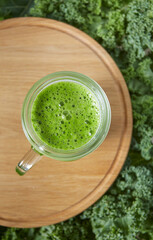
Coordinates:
(53,191)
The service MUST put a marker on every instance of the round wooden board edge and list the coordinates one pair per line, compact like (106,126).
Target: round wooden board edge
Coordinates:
(126,137)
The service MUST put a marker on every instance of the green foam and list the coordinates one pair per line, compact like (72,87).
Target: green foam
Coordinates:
(65,115)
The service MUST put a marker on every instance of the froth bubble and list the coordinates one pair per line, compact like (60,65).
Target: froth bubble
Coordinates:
(61,104)
(68,117)
(87,122)
(65,113)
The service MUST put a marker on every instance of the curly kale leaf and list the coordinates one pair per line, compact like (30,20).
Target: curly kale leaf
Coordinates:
(139,79)
(126,208)
(14,8)
(111,29)
(138,39)
(20,234)
(71,11)
(144,142)
(74,228)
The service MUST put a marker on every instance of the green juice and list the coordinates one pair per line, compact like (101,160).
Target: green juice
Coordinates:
(65,115)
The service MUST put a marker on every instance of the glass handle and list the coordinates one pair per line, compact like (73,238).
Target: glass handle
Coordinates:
(27,162)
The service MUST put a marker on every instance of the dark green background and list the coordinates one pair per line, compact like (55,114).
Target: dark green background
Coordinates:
(125,29)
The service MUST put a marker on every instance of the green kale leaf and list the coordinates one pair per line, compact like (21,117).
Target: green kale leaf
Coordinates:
(138,35)
(14,8)
(122,213)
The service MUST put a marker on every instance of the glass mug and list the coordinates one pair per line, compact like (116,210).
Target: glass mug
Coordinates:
(39,148)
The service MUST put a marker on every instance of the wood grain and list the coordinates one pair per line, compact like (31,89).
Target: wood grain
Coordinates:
(53,191)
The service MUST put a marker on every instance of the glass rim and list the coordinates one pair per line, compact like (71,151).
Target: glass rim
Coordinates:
(95,141)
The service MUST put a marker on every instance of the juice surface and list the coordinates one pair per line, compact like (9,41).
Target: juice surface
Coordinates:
(65,115)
